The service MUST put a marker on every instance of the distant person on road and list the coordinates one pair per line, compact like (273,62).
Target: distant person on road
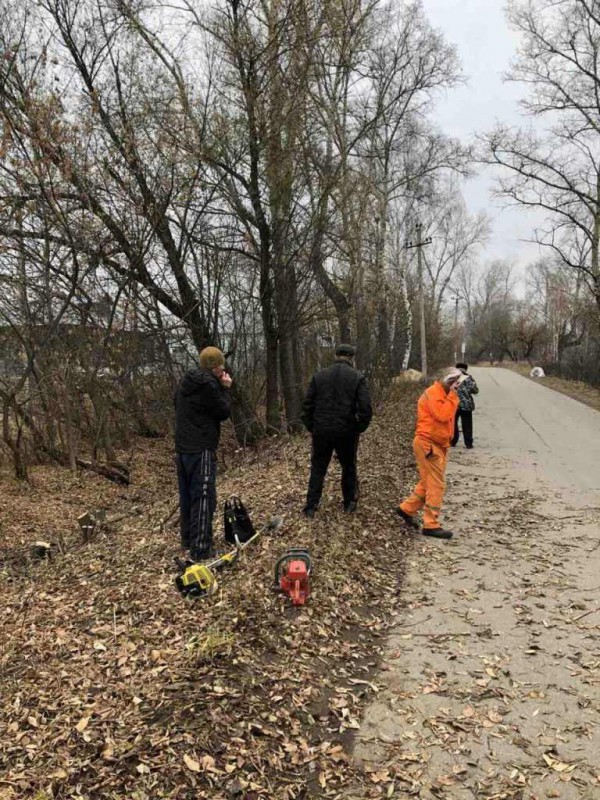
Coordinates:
(436,411)
(337,409)
(202,402)
(466,406)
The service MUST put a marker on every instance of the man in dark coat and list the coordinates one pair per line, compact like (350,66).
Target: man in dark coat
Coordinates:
(202,402)
(466,406)
(337,409)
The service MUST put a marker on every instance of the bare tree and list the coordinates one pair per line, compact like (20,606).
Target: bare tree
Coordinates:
(558,172)
(231,180)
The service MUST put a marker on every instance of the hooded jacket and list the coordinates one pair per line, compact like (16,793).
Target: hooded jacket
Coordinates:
(337,402)
(201,404)
(436,410)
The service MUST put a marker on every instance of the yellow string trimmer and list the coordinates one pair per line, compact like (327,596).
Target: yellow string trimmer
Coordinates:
(199,580)
(195,580)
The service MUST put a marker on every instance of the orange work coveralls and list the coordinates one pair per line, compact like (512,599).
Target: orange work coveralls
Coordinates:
(436,411)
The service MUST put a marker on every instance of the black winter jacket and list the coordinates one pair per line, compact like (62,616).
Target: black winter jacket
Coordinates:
(337,402)
(201,403)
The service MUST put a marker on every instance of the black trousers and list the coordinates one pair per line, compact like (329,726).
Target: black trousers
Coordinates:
(197,477)
(323,447)
(466,418)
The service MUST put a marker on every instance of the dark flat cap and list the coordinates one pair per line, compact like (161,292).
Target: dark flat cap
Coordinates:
(345,350)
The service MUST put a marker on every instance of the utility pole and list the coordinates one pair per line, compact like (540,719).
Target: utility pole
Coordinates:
(419,244)
(456,299)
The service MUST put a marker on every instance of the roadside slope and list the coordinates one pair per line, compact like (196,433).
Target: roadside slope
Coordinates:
(114,687)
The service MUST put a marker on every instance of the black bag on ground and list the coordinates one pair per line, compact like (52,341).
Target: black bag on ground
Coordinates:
(237,522)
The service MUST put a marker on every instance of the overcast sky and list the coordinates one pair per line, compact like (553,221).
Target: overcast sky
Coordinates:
(486,46)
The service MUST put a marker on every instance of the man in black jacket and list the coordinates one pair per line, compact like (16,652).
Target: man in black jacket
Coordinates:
(202,401)
(337,409)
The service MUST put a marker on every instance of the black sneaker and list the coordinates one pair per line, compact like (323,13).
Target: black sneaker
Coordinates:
(351,507)
(410,521)
(437,533)
(309,512)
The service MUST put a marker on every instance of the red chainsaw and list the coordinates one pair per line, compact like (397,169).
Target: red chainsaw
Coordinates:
(292,573)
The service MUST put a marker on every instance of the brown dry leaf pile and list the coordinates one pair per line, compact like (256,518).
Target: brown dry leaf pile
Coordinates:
(115,687)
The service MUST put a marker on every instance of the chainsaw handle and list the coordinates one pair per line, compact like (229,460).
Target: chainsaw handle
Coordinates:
(295,554)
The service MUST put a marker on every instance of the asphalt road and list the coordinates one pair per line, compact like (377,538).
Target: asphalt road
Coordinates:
(555,439)
(490,687)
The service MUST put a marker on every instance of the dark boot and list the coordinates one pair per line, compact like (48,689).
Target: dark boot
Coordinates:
(309,513)
(437,533)
(410,521)
(350,507)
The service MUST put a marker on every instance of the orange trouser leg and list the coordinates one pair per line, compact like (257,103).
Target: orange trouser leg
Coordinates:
(416,500)
(436,486)
(429,491)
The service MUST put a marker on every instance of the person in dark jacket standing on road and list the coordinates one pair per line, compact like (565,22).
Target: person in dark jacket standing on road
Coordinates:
(202,402)
(337,409)
(466,406)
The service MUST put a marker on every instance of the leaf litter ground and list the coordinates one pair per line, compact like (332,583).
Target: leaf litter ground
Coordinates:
(114,687)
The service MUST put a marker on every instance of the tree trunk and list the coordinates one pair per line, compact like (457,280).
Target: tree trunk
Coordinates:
(363,334)
(69,427)
(407,316)
(338,299)
(334,293)
(594,255)
(291,382)
(272,416)
(15,445)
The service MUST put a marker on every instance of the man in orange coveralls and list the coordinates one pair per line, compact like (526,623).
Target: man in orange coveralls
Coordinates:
(436,411)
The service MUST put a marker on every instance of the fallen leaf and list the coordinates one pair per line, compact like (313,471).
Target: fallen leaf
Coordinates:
(191,763)
(60,774)
(558,766)
(207,762)
(380,777)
